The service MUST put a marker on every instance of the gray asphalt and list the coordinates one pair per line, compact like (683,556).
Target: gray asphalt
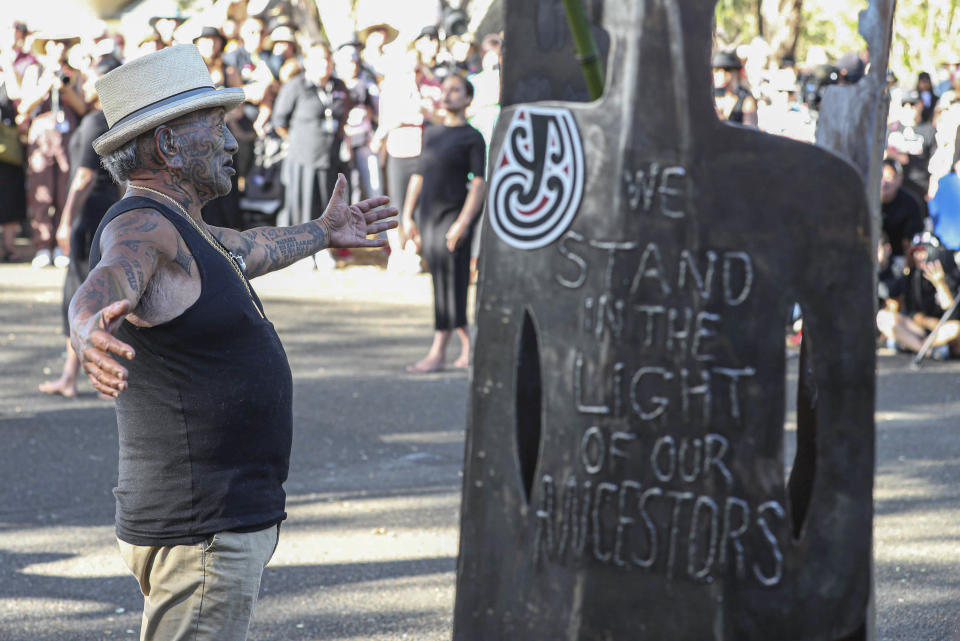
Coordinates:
(369,549)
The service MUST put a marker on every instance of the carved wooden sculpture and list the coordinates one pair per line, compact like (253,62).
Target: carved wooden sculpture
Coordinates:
(624,465)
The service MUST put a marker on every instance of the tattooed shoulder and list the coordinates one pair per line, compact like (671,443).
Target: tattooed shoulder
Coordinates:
(140,232)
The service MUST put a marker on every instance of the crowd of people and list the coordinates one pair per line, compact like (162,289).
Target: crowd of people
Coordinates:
(358,107)
(364,107)
(313,109)
(917,253)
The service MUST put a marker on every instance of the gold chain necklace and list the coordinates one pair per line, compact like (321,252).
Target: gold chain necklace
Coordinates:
(232,258)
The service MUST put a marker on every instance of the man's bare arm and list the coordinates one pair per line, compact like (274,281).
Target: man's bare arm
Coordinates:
(266,249)
(133,246)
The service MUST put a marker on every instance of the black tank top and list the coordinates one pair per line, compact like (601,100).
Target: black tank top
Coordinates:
(205,424)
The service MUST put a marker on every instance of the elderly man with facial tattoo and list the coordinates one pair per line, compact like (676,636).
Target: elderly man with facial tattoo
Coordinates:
(168,323)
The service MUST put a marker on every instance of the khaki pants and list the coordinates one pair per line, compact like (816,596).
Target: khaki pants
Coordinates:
(204,591)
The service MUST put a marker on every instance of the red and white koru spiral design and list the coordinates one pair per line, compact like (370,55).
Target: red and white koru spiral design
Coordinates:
(536,185)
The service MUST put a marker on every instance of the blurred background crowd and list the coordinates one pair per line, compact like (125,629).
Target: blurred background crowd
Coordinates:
(918,250)
(371,91)
(334,92)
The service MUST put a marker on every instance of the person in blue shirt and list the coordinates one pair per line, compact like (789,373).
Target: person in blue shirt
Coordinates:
(945,210)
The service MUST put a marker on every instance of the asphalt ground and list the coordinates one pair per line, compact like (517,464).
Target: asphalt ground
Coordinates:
(369,549)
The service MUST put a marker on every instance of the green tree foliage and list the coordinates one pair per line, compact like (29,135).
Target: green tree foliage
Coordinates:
(926,32)
(779,22)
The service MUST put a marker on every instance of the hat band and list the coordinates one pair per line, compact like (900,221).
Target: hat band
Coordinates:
(153,106)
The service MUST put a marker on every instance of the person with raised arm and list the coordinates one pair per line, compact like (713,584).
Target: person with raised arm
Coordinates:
(168,324)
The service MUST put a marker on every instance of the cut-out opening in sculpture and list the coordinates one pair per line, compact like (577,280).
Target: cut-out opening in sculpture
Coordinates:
(800,475)
(529,403)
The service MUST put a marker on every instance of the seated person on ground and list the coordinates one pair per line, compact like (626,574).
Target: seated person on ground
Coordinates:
(929,285)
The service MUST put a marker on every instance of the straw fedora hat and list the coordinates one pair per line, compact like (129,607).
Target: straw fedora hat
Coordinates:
(390,32)
(41,39)
(159,87)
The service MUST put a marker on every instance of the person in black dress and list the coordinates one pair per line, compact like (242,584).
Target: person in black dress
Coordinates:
(449,185)
(91,194)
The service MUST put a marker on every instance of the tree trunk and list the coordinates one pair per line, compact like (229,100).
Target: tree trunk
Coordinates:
(783,20)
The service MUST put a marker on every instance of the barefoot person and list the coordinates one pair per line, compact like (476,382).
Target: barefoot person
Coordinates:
(168,323)
(449,185)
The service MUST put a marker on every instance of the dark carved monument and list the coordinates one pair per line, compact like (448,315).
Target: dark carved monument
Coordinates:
(543,63)
(625,454)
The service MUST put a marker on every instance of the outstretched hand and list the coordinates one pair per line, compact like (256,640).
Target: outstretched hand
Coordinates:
(93,342)
(349,225)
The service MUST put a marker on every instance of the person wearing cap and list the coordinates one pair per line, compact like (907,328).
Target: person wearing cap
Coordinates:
(922,298)
(211,41)
(734,102)
(169,325)
(850,68)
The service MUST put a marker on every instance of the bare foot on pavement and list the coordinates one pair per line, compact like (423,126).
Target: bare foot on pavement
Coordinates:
(426,366)
(60,386)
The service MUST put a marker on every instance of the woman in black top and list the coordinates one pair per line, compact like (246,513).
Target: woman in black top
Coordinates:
(310,112)
(734,102)
(92,192)
(449,185)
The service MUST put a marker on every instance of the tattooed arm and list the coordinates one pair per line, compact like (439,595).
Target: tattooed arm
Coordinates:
(133,246)
(266,249)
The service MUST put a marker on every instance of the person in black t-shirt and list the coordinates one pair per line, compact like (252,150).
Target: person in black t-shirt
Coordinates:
(453,157)
(902,216)
(734,102)
(926,292)
(91,194)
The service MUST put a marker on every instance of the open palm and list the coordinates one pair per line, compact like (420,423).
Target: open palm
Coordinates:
(350,225)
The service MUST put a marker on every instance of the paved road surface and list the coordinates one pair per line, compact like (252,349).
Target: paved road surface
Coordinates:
(369,549)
